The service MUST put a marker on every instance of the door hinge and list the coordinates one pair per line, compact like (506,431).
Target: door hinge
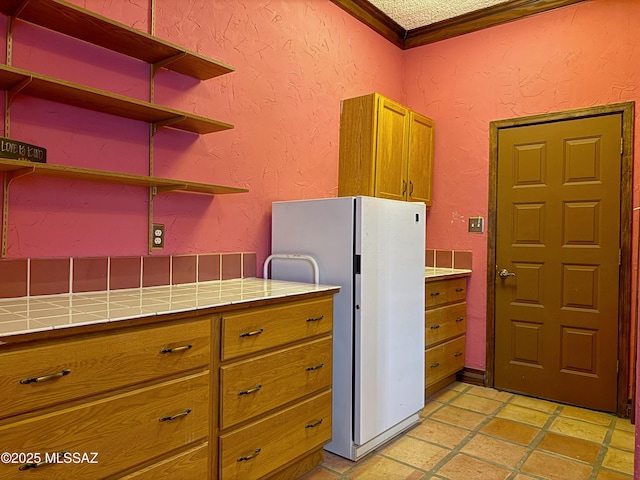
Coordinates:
(621,145)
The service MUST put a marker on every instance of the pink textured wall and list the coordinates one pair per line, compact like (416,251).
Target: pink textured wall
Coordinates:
(578,56)
(294,62)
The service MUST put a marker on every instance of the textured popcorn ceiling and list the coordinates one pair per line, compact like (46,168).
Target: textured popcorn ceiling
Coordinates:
(410,14)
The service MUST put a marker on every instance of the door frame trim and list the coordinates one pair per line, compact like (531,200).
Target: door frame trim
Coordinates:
(626,219)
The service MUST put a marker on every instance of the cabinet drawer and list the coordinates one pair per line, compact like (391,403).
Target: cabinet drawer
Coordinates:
(443,360)
(124,430)
(98,363)
(445,322)
(257,385)
(259,448)
(445,291)
(257,329)
(194,463)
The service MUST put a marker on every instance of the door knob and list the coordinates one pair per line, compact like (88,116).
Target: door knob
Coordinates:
(504,273)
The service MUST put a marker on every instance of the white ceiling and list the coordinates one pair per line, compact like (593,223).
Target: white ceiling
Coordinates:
(410,14)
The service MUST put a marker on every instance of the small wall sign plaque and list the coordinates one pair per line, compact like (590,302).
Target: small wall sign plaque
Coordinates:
(10,148)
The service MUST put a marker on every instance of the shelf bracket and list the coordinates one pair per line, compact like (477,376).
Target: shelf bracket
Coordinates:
(16,13)
(12,17)
(9,94)
(171,188)
(8,178)
(165,123)
(163,63)
(17,88)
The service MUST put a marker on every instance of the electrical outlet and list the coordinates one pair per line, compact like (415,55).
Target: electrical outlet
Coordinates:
(476,225)
(157,236)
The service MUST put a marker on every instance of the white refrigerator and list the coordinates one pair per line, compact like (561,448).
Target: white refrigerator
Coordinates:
(374,250)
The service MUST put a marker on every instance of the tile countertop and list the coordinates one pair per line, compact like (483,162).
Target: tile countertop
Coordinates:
(433,273)
(27,315)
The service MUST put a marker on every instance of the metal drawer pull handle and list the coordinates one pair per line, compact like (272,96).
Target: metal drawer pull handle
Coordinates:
(314,424)
(251,334)
(251,390)
(435,294)
(45,378)
(457,354)
(169,418)
(255,453)
(177,349)
(459,289)
(315,319)
(28,466)
(433,327)
(317,367)
(434,365)
(459,319)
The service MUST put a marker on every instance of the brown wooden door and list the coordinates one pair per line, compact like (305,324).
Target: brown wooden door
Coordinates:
(420,162)
(558,231)
(391,150)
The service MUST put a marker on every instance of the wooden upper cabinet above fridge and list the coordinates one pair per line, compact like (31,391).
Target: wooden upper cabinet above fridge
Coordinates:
(386,150)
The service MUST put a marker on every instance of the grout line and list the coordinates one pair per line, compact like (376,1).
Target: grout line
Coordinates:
(70,274)
(28,277)
(141,271)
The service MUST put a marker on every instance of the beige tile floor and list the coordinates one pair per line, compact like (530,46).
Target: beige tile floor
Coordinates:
(468,432)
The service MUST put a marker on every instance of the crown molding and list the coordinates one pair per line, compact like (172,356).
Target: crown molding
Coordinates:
(453,27)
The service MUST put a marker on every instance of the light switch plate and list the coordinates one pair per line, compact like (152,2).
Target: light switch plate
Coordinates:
(476,225)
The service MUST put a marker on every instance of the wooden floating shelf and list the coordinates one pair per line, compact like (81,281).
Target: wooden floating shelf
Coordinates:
(16,168)
(63,17)
(25,82)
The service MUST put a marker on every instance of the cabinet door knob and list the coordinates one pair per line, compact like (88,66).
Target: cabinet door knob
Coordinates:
(434,365)
(433,327)
(457,354)
(316,367)
(459,319)
(315,319)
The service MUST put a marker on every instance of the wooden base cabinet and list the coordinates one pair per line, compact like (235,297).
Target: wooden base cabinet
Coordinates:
(445,328)
(242,394)
(386,150)
(275,388)
(105,405)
